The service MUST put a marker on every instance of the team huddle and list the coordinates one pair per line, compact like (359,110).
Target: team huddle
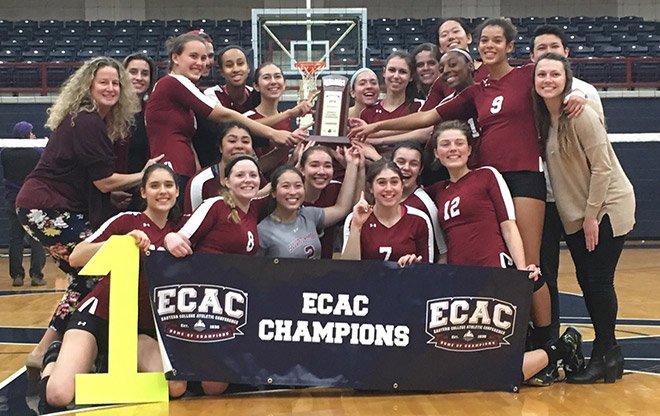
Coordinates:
(460,161)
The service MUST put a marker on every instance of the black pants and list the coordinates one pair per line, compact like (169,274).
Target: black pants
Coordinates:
(17,238)
(552,233)
(595,274)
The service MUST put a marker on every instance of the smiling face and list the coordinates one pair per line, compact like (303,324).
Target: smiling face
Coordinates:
(191,62)
(160,191)
(105,89)
(236,141)
(397,75)
(243,181)
(456,70)
(139,73)
(548,43)
(409,162)
(452,149)
(387,188)
(426,66)
(289,191)
(270,82)
(452,35)
(366,89)
(318,169)
(234,67)
(550,79)
(493,46)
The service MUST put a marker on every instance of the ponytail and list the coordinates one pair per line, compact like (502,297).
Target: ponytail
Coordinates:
(229,201)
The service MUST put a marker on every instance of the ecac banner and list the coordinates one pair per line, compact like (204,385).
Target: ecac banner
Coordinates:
(350,324)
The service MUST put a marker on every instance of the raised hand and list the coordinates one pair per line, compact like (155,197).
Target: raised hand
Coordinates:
(361,212)
(359,129)
(152,161)
(285,138)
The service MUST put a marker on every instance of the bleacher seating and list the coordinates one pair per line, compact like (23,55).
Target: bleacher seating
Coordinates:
(77,40)
(604,36)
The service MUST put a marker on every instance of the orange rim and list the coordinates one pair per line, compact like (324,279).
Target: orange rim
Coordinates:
(309,67)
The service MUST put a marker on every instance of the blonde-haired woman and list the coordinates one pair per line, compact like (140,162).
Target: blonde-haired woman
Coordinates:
(68,193)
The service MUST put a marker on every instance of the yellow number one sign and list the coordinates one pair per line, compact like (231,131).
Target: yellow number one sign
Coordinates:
(122,384)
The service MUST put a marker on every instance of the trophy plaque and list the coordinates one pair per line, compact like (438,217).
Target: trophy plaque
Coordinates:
(331,118)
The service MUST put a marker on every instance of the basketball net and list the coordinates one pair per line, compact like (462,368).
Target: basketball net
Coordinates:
(310,71)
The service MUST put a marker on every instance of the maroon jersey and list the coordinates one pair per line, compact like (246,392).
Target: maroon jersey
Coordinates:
(327,198)
(171,124)
(98,300)
(440,90)
(470,213)
(204,185)
(376,112)
(412,234)
(509,140)
(262,145)
(78,153)
(210,230)
(423,202)
(220,94)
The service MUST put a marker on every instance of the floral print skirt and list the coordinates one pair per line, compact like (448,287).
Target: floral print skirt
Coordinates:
(59,231)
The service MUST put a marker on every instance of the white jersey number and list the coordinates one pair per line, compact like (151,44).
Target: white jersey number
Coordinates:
(385,250)
(496,107)
(250,244)
(451,208)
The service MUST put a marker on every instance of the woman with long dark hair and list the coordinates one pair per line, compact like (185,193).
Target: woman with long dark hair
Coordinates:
(427,71)
(596,204)
(86,336)
(387,229)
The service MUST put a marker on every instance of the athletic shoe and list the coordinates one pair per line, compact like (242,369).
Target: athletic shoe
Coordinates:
(17,281)
(575,364)
(573,339)
(545,377)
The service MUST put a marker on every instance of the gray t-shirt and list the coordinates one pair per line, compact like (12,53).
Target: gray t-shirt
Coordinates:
(299,239)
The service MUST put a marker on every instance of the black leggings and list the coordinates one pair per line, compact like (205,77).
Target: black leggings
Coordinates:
(595,274)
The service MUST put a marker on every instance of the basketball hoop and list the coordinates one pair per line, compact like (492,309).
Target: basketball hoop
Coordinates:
(310,71)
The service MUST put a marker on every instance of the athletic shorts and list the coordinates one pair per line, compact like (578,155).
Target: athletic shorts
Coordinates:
(99,327)
(526,184)
(94,325)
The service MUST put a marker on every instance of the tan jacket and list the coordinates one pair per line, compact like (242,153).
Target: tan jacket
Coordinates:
(589,181)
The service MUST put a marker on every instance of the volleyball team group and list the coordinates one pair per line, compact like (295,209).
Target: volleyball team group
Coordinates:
(460,161)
